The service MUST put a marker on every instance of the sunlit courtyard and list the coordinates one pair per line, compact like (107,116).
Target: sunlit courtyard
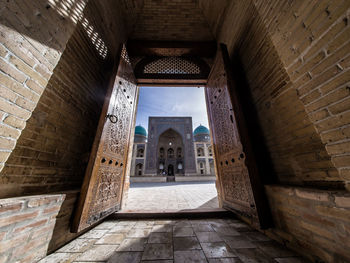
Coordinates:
(171,196)
(172,165)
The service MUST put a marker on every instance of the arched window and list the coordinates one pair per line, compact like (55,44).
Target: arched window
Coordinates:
(140,153)
(179,152)
(138,170)
(170,153)
(200,152)
(201,167)
(210,151)
(161,152)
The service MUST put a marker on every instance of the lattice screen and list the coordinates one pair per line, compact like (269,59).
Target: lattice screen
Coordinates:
(171,65)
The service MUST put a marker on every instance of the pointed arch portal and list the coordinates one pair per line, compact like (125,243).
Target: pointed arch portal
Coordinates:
(238,182)
(170,141)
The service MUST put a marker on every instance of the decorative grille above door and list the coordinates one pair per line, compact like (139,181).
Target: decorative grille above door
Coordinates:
(172,68)
(172,65)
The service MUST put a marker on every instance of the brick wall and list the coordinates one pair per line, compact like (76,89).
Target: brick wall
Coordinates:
(55,138)
(26,226)
(52,151)
(294,55)
(312,39)
(53,144)
(296,149)
(179,20)
(32,42)
(312,217)
(40,223)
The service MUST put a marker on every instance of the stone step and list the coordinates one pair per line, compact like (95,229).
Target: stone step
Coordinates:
(170,178)
(171,214)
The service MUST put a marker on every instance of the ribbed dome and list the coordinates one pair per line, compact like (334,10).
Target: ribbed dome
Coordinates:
(201,130)
(139,130)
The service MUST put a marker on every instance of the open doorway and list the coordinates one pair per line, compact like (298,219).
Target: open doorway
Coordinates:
(107,177)
(177,161)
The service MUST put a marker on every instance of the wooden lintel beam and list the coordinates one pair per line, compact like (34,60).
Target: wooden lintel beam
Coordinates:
(171,82)
(171,48)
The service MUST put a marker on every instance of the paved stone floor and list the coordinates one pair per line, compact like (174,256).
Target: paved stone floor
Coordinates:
(173,241)
(171,196)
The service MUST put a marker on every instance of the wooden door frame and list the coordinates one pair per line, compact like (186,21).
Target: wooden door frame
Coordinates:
(172,85)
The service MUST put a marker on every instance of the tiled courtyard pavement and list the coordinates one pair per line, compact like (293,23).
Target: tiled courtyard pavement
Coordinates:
(179,241)
(171,196)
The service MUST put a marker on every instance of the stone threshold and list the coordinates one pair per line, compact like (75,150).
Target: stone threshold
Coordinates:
(170,214)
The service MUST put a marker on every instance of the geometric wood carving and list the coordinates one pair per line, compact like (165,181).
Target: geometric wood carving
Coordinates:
(102,188)
(238,181)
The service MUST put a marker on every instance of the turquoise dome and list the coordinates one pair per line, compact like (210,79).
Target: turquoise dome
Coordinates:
(201,130)
(139,130)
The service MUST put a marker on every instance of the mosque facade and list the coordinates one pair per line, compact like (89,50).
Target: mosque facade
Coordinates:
(170,151)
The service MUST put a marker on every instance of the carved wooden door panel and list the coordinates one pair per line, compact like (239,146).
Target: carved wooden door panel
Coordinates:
(238,183)
(102,189)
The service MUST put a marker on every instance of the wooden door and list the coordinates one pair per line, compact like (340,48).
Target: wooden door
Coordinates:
(238,181)
(102,188)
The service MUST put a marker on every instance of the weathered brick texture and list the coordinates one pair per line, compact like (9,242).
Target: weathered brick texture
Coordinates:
(178,20)
(294,55)
(52,151)
(55,60)
(59,117)
(312,217)
(31,44)
(296,149)
(26,226)
(312,39)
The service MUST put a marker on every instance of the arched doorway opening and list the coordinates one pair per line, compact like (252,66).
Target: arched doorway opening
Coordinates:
(167,158)
(232,161)
(170,170)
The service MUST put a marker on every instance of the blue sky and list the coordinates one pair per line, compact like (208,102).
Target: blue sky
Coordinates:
(171,101)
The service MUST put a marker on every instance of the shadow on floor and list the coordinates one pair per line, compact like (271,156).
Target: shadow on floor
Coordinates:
(214,202)
(185,240)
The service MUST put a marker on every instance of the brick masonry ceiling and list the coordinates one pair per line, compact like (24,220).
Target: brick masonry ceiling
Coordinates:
(168,20)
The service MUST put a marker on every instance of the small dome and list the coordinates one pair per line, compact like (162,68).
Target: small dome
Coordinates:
(139,130)
(201,130)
